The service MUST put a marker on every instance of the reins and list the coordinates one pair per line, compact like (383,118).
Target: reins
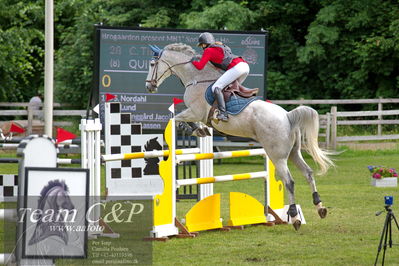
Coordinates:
(201,81)
(154,78)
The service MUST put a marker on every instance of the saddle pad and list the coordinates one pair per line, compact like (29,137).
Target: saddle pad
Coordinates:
(234,105)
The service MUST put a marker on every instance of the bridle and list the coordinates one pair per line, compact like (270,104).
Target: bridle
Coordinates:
(154,77)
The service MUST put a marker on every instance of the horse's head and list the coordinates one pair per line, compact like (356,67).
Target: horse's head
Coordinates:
(164,61)
(55,196)
(155,66)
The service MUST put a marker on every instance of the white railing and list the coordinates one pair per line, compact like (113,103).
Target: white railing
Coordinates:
(334,116)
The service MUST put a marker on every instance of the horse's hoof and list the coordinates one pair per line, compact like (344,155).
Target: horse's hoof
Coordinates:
(199,132)
(186,128)
(321,210)
(297,224)
(207,132)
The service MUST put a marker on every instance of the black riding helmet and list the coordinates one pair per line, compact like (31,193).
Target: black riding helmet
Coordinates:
(206,38)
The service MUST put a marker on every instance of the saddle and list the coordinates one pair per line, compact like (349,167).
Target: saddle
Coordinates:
(245,97)
(237,89)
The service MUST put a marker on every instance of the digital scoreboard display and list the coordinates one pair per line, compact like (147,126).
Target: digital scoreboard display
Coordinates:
(122,59)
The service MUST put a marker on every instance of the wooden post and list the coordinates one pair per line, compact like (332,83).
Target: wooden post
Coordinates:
(334,127)
(379,130)
(328,128)
(30,118)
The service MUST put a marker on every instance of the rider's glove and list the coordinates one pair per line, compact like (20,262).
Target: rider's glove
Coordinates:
(195,58)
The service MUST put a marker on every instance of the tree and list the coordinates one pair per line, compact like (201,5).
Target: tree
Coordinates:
(317,49)
(21,49)
(352,46)
(223,15)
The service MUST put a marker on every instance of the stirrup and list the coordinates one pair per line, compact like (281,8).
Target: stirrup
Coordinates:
(222,116)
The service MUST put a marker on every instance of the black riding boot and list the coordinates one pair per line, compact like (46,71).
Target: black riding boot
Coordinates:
(221,105)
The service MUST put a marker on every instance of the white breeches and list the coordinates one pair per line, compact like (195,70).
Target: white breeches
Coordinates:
(239,72)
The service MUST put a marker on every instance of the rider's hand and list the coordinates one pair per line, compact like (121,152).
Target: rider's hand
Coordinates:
(195,58)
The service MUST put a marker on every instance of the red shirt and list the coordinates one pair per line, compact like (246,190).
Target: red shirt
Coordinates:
(214,54)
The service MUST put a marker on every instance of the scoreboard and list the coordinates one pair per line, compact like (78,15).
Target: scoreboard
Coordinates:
(122,57)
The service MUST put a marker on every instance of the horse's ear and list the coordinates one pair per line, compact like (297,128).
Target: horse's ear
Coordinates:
(155,49)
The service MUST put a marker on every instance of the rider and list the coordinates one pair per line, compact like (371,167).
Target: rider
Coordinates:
(221,57)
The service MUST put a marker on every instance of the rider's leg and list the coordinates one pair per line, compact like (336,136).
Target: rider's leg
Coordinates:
(244,69)
(222,115)
(240,72)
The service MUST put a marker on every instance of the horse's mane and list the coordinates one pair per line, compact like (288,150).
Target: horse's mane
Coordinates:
(50,185)
(180,47)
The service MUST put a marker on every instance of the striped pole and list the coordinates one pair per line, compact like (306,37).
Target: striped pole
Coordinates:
(68,161)
(15,146)
(9,145)
(222,178)
(59,160)
(147,154)
(220,155)
(9,160)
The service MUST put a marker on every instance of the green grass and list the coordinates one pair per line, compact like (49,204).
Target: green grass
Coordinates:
(349,235)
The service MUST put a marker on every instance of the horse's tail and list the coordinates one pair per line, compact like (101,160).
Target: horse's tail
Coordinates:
(308,121)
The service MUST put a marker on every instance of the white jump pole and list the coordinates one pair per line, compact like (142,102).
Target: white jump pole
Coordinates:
(8,214)
(205,166)
(48,68)
(222,178)
(83,144)
(146,155)
(91,159)
(6,258)
(221,155)
(97,159)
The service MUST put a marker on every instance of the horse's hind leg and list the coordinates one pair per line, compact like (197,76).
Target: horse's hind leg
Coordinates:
(284,173)
(297,159)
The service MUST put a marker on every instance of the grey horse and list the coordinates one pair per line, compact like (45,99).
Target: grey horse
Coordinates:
(278,131)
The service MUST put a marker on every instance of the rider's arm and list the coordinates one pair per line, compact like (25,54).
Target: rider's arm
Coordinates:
(206,56)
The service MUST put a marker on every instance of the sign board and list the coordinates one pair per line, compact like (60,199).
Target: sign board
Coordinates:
(137,178)
(122,61)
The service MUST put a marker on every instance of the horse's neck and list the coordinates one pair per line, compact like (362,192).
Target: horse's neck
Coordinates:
(190,74)
(50,200)
(196,81)
(200,81)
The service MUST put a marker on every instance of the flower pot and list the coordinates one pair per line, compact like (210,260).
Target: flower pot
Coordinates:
(385,182)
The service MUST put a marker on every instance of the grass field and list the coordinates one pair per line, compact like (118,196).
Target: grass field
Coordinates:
(349,235)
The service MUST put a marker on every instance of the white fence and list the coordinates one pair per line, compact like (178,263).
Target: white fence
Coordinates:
(329,122)
(32,111)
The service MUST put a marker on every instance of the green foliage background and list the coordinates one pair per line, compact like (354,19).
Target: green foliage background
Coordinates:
(318,49)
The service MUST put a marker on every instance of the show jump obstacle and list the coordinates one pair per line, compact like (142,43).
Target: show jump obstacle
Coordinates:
(140,178)
(41,151)
(205,215)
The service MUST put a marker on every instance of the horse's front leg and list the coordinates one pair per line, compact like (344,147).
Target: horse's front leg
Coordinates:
(187,119)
